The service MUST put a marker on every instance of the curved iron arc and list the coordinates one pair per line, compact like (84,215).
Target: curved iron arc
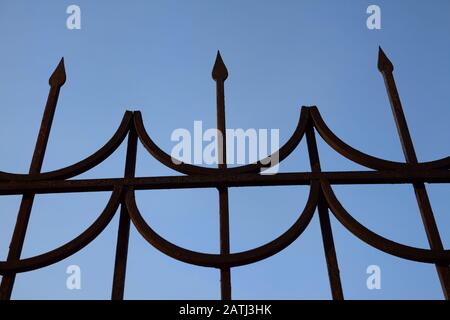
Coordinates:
(82,166)
(186,168)
(219,260)
(364,159)
(375,240)
(71,247)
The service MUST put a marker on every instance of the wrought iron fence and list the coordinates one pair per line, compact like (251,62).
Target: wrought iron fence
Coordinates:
(321,195)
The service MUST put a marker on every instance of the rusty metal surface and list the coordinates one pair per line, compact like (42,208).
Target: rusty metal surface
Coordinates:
(321,197)
(325,225)
(56,81)
(386,68)
(123,233)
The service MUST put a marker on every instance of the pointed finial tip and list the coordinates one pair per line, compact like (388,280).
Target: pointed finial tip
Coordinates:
(384,64)
(219,71)
(58,77)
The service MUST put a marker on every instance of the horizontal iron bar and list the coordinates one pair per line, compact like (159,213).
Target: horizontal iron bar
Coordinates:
(213,181)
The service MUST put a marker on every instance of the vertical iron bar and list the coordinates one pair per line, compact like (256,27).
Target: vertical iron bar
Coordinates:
(56,81)
(386,68)
(325,225)
(220,74)
(225,273)
(120,265)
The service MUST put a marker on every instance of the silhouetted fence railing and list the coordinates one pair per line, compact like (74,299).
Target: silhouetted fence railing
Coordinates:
(321,195)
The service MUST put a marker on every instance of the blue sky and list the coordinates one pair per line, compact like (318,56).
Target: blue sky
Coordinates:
(157,56)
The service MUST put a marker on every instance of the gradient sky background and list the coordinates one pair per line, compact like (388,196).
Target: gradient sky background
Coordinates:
(157,56)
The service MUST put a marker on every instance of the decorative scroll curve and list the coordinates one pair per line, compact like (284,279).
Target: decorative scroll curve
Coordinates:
(364,159)
(375,240)
(218,260)
(185,168)
(82,166)
(70,247)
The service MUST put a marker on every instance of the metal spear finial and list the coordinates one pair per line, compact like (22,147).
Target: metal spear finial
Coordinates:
(219,72)
(58,77)
(384,64)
